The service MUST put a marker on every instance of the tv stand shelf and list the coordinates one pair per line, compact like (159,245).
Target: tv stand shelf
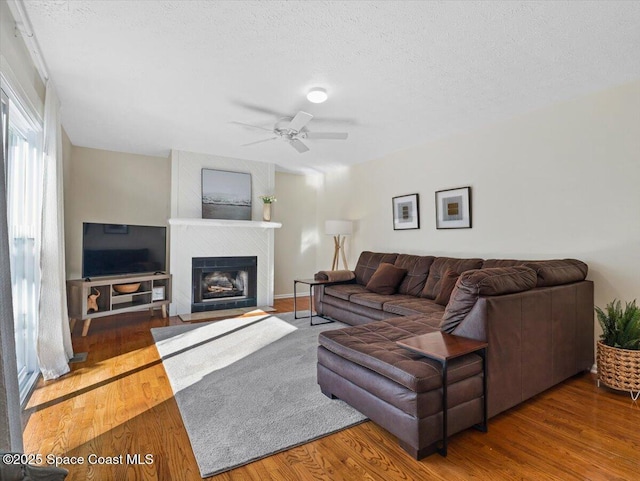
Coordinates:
(154,292)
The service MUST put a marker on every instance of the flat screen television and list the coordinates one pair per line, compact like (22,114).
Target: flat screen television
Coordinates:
(117,249)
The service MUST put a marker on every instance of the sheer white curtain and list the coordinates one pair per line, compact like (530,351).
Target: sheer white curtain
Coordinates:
(54,337)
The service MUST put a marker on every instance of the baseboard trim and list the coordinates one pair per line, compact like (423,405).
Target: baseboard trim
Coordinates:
(594,369)
(79,357)
(283,296)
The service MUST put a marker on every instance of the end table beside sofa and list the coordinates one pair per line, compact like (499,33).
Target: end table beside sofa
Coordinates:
(535,316)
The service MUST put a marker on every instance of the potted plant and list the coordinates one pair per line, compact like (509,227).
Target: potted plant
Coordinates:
(267,200)
(618,355)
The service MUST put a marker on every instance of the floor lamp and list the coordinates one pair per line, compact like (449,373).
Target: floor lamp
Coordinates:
(338,229)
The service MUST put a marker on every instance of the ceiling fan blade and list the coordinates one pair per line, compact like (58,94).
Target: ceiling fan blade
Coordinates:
(250,125)
(279,115)
(300,120)
(259,141)
(260,109)
(298,145)
(325,135)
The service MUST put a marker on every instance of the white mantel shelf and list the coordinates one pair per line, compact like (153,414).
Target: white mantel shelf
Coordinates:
(225,223)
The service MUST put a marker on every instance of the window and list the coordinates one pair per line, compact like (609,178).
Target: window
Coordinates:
(24,170)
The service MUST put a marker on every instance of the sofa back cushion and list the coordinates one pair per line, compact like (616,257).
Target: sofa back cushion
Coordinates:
(439,267)
(447,283)
(369,262)
(493,281)
(558,272)
(491,263)
(386,279)
(417,271)
(550,272)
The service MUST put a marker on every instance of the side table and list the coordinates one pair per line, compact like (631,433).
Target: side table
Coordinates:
(311,283)
(443,347)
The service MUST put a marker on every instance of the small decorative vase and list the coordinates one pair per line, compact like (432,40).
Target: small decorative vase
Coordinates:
(266,212)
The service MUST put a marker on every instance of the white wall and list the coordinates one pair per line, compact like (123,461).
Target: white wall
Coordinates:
(114,188)
(186,181)
(337,200)
(296,241)
(558,182)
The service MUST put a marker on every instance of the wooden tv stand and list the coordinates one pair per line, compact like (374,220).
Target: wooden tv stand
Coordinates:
(154,292)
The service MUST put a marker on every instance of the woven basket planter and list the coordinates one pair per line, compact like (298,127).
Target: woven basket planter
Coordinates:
(619,368)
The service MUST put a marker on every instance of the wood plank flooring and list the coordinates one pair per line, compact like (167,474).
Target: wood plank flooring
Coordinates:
(120,402)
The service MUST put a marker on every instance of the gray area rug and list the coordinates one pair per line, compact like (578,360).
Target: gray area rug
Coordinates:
(246,387)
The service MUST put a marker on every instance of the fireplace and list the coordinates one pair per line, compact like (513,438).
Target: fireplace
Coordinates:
(223,283)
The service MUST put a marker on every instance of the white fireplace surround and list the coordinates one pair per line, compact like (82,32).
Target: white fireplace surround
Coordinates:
(191,238)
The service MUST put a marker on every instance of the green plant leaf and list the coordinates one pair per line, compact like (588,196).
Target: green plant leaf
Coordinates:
(629,335)
(620,328)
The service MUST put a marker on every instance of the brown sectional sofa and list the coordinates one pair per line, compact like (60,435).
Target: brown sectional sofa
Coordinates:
(537,317)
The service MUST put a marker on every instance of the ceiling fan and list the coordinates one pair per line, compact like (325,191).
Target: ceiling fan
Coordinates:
(292,130)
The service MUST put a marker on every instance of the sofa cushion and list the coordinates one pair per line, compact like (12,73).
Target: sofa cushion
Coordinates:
(376,301)
(486,282)
(386,279)
(344,291)
(491,263)
(558,272)
(353,313)
(368,263)
(417,271)
(439,267)
(374,346)
(501,280)
(447,283)
(413,306)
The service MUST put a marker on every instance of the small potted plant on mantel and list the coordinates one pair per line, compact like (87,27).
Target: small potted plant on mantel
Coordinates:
(267,200)
(618,355)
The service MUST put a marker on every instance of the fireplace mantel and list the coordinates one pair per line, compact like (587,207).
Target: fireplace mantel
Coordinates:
(225,223)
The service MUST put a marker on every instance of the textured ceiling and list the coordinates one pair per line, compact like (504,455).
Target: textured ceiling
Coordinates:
(149,76)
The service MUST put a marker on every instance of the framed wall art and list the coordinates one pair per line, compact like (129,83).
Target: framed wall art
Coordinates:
(406,212)
(453,208)
(226,195)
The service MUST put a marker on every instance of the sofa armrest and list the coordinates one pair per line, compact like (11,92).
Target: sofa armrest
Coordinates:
(342,276)
(484,282)
(318,291)
(537,338)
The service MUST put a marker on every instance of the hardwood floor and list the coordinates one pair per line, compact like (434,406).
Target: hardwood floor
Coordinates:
(119,402)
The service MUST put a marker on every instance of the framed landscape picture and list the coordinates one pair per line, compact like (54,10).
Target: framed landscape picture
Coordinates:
(453,208)
(226,195)
(406,212)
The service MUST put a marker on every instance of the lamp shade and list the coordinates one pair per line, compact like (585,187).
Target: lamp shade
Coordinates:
(338,227)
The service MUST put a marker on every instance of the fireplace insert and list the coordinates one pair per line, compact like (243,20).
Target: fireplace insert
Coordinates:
(223,283)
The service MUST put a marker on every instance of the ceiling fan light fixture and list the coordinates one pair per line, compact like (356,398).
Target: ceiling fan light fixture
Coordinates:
(292,130)
(317,95)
